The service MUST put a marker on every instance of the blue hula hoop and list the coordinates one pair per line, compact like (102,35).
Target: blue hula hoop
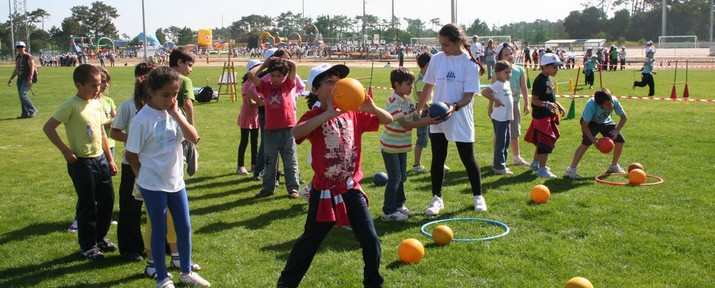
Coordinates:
(489,221)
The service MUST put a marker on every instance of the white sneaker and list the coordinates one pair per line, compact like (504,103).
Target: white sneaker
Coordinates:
(572,173)
(480,205)
(419,169)
(435,206)
(193,279)
(446,169)
(504,171)
(534,166)
(394,217)
(615,169)
(405,211)
(165,283)
(305,192)
(545,172)
(518,161)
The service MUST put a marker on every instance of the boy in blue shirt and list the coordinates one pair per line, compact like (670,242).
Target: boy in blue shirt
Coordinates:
(596,119)
(589,69)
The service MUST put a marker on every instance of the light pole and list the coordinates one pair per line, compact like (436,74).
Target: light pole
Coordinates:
(12,26)
(144,30)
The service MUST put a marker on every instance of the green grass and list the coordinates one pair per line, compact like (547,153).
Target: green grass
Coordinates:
(657,236)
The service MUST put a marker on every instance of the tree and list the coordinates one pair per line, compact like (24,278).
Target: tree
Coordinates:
(160,36)
(415,26)
(435,23)
(478,28)
(97,20)
(186,36)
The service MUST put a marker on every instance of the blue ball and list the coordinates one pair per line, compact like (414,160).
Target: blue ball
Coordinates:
(380,179)
(438,110)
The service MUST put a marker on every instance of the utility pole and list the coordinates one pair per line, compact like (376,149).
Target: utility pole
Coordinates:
(454,11)
(711,21)
(12,26)
(662,27)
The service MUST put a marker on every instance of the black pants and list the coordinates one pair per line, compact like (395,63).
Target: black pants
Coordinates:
(129,233)
(308,243)
(95,199)
(646,79)
(466,154)
(245,134)
(589,78)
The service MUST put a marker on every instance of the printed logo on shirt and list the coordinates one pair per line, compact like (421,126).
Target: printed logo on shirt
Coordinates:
(450,75)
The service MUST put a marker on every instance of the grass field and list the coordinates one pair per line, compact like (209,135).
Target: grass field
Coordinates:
(660,236)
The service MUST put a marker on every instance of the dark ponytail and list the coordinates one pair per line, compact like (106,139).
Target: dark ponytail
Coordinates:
(456,35)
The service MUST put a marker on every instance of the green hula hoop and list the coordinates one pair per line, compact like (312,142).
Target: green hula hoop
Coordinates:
(489,221)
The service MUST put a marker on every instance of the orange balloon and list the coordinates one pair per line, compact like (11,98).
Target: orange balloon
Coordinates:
(348,94)
(636,176)
(578,282)
(635,165)
(540,194)
(442,235)
(411,250)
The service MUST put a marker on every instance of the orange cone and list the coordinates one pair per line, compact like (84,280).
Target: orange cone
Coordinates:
(673,94)
(686,93)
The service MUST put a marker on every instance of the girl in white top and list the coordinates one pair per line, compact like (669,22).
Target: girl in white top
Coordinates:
(154,152)
(455,74)
(501,116)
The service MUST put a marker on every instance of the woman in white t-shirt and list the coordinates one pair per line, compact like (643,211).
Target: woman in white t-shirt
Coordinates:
(454,76)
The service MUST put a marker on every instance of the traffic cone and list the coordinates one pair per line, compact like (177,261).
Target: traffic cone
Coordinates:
(528,81)
(572,109)
(686,93)
(673,94)
(570,85)
(556,87)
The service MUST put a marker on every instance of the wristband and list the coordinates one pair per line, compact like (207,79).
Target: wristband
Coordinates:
(546,104)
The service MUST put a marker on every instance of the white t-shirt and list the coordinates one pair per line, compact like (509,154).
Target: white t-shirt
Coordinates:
(502,91)
(477,50)
(156,137)
(126,112)
(453,76)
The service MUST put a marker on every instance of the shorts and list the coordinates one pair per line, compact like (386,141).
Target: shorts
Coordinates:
(515,124)
(604,129)
(422,133)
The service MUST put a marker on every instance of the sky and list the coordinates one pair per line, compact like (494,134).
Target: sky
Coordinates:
(221,13)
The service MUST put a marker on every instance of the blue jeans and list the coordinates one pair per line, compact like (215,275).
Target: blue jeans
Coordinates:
(396,167)
(95,199)
(502,136)
(27,107)
(280,141)
(314,232)
(157,203)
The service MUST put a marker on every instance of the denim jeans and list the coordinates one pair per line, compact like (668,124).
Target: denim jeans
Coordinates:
(396,167)
(502,137)
(280,141)
(157,204)
(27,107)
(95,199)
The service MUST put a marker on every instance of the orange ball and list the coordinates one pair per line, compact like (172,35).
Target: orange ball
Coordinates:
(636,177)
(442,235)
(635,165)
(605,145)
(578,282)
(411,250)
(348,94)
(540,194)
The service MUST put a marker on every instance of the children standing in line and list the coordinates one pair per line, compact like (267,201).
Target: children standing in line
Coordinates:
(89,161)
(647,74)
(596,119)
(280,119)
(181,60)
(589,70)
(248,122)
(154,153)
(455,76)
(396,141)
(501,116)
(543,130)
(622,56)
(335,137)
(129,236)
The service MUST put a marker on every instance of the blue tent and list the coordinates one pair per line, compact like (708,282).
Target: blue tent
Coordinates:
(149,38)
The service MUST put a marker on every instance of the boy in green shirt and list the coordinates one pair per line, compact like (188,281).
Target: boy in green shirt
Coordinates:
(182,60)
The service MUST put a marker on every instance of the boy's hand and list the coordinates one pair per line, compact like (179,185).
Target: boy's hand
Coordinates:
(561,109)
(69,155)
(113,168)
(527,109)
(614,133)
(497,103)
(174,109)
(368,105)
(330,108)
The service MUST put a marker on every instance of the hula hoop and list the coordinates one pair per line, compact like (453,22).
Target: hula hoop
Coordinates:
(603,181)
(489,221)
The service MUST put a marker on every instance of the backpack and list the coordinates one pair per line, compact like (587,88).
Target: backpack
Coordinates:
(205,94)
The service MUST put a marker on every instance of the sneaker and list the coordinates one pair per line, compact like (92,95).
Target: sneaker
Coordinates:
(106,246)
(615,169)
(92,254)
(419,169)
(394,217)
(258,177)
(193,279)
(305,193)
(534,166)
(435,206)
(504,171)
(405,211)
(165,283)
(150,270)
(264,193)
(293,194)
(113,222)
(132,256)
(545,172)
(572,173)
(480,205)
(176,263)
(73,227)
(241,171)
(518,161)
(446,168)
